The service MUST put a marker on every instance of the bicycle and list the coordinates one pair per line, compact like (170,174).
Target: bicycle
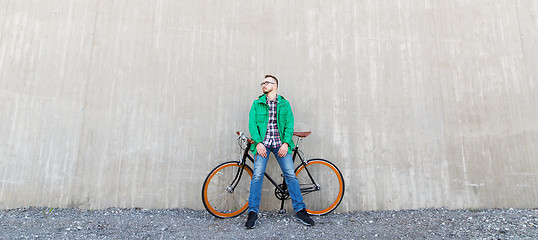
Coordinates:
(225,190)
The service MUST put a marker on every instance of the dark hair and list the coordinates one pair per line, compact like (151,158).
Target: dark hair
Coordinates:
(273,77)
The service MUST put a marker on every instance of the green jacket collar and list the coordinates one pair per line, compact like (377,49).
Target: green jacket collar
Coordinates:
(263,98)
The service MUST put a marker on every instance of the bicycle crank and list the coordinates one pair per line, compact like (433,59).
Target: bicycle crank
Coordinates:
(282,195)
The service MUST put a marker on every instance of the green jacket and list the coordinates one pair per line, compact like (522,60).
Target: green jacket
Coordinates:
(258,119)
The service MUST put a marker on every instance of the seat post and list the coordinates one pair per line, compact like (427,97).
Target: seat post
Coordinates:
(298,141)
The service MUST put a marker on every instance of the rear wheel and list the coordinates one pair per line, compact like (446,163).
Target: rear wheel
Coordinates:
(219,195)
(326,192)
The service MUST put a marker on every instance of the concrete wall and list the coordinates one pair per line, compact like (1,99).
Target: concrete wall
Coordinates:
(131,103)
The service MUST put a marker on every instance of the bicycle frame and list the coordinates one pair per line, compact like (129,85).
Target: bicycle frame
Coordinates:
(283,189)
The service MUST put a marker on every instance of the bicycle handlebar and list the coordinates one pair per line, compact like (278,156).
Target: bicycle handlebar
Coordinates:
(242,135)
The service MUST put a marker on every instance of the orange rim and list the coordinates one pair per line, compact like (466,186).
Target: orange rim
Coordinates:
(210,208)
(340,189)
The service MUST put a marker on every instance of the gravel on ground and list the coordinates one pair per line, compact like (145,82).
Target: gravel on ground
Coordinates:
(136,223)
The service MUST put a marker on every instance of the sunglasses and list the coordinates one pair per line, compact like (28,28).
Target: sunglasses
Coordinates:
(266,83)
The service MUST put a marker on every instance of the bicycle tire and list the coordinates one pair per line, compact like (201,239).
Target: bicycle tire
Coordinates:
(217,199)
(331,183)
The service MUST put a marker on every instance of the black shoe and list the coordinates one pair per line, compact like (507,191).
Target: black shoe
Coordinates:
(251,221)
(303,217)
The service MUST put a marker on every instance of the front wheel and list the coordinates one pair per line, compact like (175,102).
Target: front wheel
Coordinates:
(323,188)
(226,189)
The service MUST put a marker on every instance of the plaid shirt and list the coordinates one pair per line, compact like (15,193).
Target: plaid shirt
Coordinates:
(272,137)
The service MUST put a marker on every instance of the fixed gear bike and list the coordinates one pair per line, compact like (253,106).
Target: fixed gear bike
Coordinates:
(226,188)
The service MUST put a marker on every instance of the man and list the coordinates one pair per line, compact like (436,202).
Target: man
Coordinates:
(271,127)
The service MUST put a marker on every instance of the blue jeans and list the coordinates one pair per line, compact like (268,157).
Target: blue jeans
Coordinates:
(286,164)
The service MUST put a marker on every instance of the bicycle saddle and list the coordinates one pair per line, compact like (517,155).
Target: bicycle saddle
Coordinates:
(301,134)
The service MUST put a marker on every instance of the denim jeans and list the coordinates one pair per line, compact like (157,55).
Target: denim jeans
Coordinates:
(286,164)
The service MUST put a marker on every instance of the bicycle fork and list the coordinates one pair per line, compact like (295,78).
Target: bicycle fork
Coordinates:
(242,163)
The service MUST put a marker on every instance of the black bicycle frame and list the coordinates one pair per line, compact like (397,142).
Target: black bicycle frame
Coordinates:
(295,152)
(303,163)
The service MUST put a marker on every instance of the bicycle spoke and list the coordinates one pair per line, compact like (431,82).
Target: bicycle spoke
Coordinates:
(222,203)
(237,202)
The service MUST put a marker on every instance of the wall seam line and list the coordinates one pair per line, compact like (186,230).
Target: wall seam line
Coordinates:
(521,40)
(4,25)
(83,121)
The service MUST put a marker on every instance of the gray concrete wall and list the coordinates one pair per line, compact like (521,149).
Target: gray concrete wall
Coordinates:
(131,103)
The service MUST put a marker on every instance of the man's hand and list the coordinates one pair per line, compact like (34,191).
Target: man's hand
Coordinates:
(261,150)
(283,150)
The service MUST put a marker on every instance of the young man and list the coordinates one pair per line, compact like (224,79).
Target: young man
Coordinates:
(271,127)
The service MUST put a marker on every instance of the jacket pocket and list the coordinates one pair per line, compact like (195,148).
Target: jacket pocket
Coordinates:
(261,117)
(283,116)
